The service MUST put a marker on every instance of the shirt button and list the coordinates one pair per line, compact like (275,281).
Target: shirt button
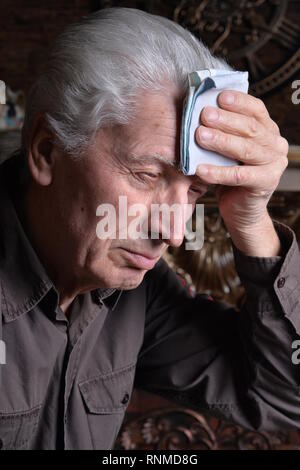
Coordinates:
(125,399)
(281,282)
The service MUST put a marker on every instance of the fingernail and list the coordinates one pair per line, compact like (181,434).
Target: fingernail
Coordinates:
(205,134)
(228,98)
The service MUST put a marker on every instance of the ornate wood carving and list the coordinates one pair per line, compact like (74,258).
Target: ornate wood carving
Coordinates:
(184,429)
(243,31)
(157,430)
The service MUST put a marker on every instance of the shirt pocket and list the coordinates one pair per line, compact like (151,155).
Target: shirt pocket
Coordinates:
(106,398)
(17,429)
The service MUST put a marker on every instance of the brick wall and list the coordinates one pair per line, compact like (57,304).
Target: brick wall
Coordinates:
(27,27)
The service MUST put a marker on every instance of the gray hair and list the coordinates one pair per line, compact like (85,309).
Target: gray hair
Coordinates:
(98,66)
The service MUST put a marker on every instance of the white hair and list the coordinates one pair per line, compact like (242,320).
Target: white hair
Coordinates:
(98,67)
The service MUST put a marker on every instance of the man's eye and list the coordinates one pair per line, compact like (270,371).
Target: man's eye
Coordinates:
(147,176)
(196,190)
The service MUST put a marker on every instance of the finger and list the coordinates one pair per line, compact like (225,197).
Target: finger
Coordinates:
(248,105)
(232,123)
(261,179)
(233,146)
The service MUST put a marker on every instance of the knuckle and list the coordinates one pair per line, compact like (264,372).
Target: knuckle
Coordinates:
(238,175)
(276,175)
(284,145)
(253,127)
(247,149)
(237,99)
(261,108)
(225,140)
(218,178)
(275,126)
(283,164)
(286,162)
(221,140)
(275,179)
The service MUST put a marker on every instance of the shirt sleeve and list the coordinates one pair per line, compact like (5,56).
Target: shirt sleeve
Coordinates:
(211,357)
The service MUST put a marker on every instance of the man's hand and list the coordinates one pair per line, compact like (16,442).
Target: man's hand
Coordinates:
(243,130)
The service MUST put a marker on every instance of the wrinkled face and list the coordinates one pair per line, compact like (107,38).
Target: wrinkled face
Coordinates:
(139,161)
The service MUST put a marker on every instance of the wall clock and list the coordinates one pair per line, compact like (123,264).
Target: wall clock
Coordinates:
(262,36)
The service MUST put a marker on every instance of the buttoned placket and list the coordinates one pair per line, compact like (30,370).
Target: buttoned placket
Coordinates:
(73,350)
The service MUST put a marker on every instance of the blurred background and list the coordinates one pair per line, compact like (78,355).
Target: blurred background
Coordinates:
(261,36)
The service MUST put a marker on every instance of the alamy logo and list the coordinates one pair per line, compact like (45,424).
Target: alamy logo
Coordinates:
(2,352)
(164,221)
(296,353)
(296,93)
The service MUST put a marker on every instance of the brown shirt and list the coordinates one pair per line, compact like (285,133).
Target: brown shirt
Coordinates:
(67,381)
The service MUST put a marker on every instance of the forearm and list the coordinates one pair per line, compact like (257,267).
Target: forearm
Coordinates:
(261,240)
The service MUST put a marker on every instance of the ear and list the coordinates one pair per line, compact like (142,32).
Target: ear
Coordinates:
(41,153)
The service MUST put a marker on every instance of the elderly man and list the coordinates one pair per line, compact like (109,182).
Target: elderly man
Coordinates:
(87,318)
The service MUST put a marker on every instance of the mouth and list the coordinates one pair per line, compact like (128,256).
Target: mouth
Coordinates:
(140,260)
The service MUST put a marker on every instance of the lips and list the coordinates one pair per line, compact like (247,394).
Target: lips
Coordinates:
(140,260)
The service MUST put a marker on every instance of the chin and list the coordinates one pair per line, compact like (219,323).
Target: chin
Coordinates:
(119,278)
(132,279)
(128,285)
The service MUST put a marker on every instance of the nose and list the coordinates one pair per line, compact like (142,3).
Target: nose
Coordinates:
(170,213)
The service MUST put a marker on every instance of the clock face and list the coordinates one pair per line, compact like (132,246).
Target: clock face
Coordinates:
(260,36)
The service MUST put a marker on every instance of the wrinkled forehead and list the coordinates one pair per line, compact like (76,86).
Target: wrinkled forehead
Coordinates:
(155,127)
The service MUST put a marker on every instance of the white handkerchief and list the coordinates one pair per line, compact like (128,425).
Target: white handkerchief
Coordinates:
(2,92)
(204,88)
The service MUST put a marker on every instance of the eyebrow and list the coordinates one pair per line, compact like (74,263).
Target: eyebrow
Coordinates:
(153,158)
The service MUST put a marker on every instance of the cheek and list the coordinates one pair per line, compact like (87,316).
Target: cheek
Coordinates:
(98,250)
(83,207)
(106,266)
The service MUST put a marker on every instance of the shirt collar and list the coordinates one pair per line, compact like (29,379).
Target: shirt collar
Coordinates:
(110,297)
(24,281)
